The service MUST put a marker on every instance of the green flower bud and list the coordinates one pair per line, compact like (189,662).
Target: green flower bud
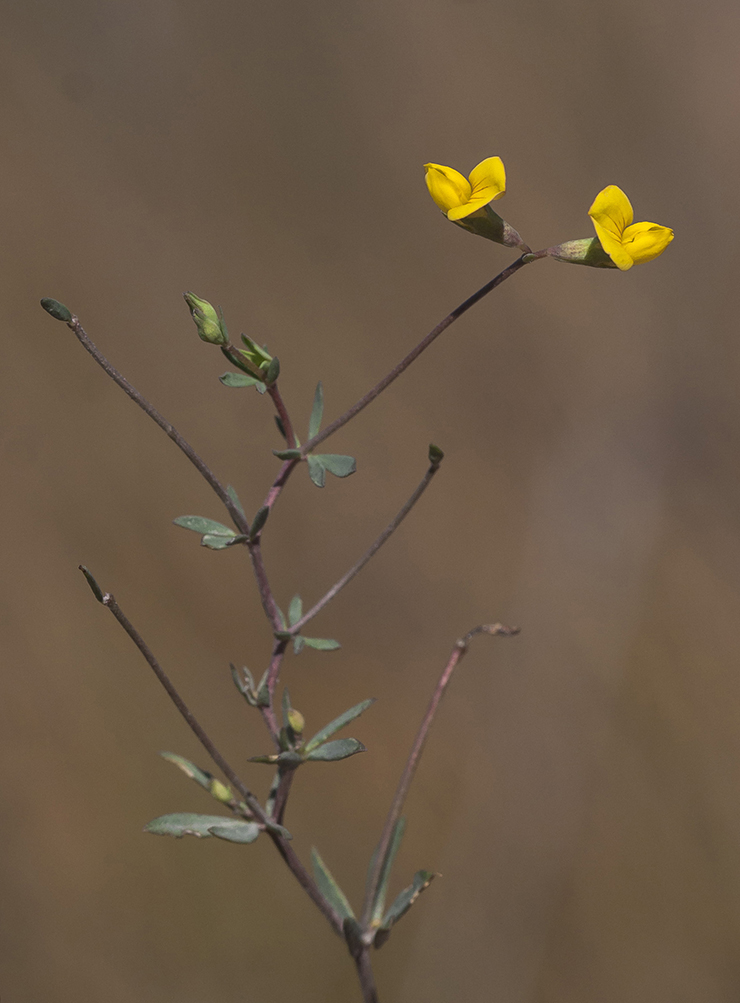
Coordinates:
(57,310)
(487,223)
(221,792)
(211,326)
(587,251)
(296,720)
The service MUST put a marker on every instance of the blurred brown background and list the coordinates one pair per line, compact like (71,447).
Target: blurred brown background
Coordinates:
(580,792)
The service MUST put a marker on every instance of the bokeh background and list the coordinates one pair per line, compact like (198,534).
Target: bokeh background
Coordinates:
(580,792)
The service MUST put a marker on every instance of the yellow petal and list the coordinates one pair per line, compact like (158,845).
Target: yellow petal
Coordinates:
(611,214)
(448,187)
(488,183)
(645,241)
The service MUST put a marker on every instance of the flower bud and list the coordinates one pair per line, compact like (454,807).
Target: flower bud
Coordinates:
(587,251)
(487,223)
(211,327)
(296,720)
(221,792)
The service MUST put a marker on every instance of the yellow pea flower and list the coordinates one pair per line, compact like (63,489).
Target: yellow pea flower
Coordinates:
(457,196)
(625,242)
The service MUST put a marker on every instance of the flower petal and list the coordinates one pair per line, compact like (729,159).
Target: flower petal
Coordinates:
(448,187)
(611,213)
(488,181)
(645,241)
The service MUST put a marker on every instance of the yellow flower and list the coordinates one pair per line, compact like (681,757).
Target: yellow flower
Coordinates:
(625,242)
(458,197)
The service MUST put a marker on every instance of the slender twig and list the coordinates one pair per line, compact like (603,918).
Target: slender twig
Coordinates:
(283,846)
(282,411)
(279,483)
(237,516)
(415,353)
(281,796)
(355,569)
(263,585)
(407,776)
(366,977)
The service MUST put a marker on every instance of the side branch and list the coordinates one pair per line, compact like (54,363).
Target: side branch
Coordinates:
(407,776)
(203,469)
(415,353)
(371,552)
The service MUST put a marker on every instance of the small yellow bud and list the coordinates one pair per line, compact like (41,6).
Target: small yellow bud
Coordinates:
(221,792)
(210,326)
(296,720)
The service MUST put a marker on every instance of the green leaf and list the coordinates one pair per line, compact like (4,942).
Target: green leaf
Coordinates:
(56,309)
(329,888)
(281,615)
(321,643)
(316,471)
(96,590)
(281,427)
(317,411)
(435,455)
(258,523)
(202,777)
(298,643)
(332,752)
(240,380)
(286,708)
(231,492)
(287,454)
(340,466)
(295,610)
(201,525)
(272,796)
(402,904)
(339,722)
(385,872)
(187,824)
(272,372)
(220,542)
(244,685)
(263,694)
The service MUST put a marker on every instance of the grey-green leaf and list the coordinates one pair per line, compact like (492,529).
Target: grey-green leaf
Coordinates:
(240,380)
(245,684)
(298,643)
(331,752)
(339,722)
(287,454)
(202,777)
(385,872)
(321,643)
(404,901)
(96,590)
(231,492)
(317,411)
(218,542)
(316,471)
(329,888)
(56,309)
(340,466)
(258,523)
(295,610)
(435,455)
(188,824)
(199,524)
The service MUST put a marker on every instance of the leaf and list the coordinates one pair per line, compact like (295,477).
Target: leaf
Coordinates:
(287,454)
(402,904)
(218,542)
(385,872)
(332,752)
(240,380)
(286,707)
(281,427)
(231,492)
(340,466)
(316,470)
(273,371)
(244,685)
(199,524)
(187,824)
(271,797)
(263,693)
(281,616)
(298,643)
(317,411)
(57,310)
(321,643)
(329,888)
(435,455)
(202,777)
(258,523)
(295,610)
(96,590)
(339,722)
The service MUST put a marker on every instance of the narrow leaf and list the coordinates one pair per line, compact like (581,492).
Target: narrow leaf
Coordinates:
(57,310)
(287,454)
(435,454)
(263,693)
(231,492)
(298,643)
(402,904)
(329,888)
(316,471)
(281,427)
(281,615)
(258,523)
(96,590)
(218,542)
(331,752)
(286,707)
(187,824)
(339,722)
(244,684)
(201,525)
(317,411)
(202,777)
(340,466)
(295,610)
(272,372)
(239,380)
(385,872)
(321,643)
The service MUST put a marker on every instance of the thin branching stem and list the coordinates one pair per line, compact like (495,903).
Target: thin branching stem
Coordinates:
(282,411)
(203,469)
(414,354)
(366,976)
(357,568)
(284,848)
(412,762)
